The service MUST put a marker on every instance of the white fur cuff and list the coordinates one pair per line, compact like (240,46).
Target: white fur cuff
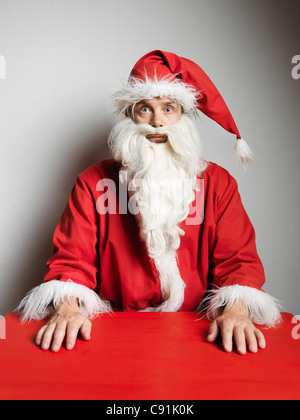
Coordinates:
(42,300)
(263,308)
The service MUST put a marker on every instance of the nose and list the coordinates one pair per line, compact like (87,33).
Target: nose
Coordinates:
(156,120)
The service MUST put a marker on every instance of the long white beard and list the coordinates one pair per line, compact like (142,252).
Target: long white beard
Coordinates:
(161,182)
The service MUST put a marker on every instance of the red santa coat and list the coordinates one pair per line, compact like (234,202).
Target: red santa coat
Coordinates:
(104,252)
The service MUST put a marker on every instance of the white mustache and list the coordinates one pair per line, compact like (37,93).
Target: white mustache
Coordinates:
(146,130)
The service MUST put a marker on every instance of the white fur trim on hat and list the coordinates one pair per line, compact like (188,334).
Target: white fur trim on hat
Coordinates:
(41,301)
(263,308)
(136,90)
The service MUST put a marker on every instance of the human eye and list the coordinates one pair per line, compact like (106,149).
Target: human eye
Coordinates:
(169,110)
(144,109)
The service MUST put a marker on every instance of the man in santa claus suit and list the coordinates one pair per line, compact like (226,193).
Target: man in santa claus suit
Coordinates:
(157,228)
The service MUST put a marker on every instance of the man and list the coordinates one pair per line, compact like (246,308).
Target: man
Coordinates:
(179,239)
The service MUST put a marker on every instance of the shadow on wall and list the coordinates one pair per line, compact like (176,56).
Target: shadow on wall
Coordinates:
(30,268)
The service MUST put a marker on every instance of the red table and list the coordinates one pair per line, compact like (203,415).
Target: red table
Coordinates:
(148,356)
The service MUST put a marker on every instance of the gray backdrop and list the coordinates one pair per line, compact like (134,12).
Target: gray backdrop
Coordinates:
(65,58)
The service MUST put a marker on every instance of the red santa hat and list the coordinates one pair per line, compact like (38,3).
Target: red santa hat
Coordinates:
(164,74)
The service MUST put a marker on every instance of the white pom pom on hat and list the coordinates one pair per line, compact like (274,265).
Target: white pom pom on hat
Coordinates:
(164,74)
(243,153)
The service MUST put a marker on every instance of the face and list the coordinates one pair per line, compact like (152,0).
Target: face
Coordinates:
(157,112)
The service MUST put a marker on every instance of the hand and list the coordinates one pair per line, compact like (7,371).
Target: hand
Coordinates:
(234,324)
(66,322)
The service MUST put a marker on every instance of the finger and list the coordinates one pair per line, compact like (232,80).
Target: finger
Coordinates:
(212,332)
(47,337)
(58,336)
(240,340)
(85,330)
(227,336)
(260,339)
(40,334)
(72,333)
(251,340)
